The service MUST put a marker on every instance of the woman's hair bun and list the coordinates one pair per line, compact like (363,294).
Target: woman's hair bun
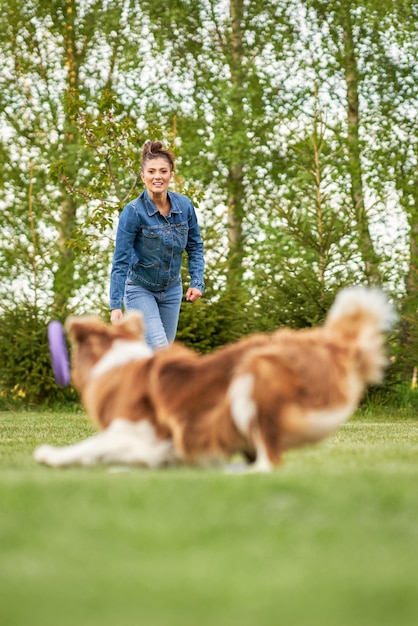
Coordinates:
(153,150)
(152,147)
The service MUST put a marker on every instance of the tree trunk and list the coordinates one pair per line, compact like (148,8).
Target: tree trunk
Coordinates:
(371,263)
(64,282)
(235,181)
(408,335)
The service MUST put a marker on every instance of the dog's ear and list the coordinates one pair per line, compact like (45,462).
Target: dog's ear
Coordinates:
(78,328)
(132,323)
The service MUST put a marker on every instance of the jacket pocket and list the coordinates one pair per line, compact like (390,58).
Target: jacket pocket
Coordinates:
(181,233)
(151,240)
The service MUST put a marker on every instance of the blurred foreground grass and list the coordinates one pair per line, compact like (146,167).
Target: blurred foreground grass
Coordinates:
(329,539)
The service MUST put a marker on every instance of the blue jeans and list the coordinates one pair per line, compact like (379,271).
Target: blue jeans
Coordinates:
(160,309)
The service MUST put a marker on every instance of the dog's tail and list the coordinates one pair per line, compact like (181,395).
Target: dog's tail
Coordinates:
(359,317)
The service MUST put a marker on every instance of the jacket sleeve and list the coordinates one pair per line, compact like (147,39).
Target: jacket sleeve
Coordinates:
(125,236)
(194,249)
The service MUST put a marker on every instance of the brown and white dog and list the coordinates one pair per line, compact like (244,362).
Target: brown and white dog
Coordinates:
(259,396)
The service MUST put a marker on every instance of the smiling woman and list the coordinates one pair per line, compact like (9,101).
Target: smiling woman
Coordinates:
(153,232)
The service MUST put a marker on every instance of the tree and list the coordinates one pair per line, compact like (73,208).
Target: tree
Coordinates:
(397,159)
(293,134)
(250,70)
(346,30)
(316,252)
(61,60)
(229,99)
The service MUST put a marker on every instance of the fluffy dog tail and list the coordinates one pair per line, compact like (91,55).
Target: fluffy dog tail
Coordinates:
(359,318)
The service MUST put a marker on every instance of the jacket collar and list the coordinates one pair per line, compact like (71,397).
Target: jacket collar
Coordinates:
(152,209)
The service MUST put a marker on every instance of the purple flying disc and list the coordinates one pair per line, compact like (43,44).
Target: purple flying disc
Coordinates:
(58,352)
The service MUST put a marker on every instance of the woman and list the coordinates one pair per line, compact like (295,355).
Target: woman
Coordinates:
(153,232)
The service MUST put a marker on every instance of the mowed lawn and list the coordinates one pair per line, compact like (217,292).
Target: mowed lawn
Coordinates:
(331,538)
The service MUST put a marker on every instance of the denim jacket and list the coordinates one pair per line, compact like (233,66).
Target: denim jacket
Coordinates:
(149,246)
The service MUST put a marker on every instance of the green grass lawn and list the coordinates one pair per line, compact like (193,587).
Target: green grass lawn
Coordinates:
(329,539)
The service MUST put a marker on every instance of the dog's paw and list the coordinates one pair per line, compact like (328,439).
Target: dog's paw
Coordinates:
(47,455)
(259,467)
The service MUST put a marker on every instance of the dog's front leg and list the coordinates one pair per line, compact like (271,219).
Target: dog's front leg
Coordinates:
(123,442)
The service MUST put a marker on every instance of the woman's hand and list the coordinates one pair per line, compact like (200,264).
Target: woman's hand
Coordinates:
(193,294)
(115,316)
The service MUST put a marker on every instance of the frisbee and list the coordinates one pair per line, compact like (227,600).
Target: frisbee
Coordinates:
(58,352)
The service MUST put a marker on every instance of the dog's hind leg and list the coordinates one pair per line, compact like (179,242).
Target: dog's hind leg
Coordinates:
(123,442)
(244,414)
(255,422)
(262,463)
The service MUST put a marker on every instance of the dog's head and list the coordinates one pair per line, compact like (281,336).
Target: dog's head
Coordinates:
(99,346)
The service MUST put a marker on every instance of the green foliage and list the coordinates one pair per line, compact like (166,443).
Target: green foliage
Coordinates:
(26,375)
(220,317)
(114,143)
(293,130)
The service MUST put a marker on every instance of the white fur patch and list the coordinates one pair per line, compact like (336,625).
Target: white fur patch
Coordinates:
(243,408)
(371,300)
(122,443)
(120,353)
(262,464)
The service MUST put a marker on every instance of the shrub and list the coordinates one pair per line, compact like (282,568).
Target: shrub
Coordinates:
(26,376)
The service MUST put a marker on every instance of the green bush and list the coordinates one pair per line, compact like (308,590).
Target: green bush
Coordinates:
(26,376)
(215,320)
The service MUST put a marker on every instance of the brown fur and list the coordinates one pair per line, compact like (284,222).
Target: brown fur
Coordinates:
(170,389)
(303,384)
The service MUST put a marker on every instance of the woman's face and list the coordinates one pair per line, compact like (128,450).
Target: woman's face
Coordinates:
(156,175)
